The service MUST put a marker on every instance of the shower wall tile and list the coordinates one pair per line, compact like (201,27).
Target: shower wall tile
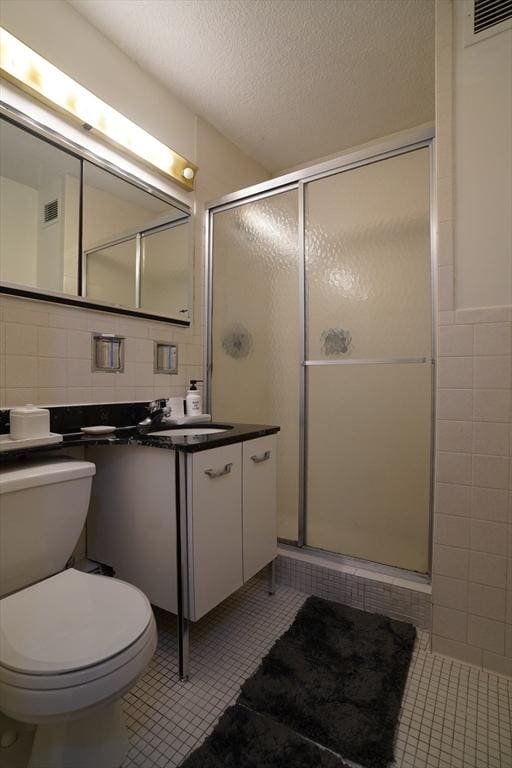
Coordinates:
(455,341)
(487,569)
(451,593)
(490,504)
(492,372)
(453,467)
(455,372)
(492,338)
(455,404)
(491,405)
(452,499)
(472,546)
(450,561)
(491,439)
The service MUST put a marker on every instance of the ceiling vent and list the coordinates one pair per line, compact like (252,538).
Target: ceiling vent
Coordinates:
(51,212)
(485,18)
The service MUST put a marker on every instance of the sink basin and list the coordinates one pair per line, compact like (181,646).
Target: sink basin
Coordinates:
(187,431)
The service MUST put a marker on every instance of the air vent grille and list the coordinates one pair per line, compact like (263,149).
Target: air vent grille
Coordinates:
(51,211)
(488,13)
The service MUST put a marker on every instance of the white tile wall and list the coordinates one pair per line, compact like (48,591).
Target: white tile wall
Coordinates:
(45,354)
(472,549)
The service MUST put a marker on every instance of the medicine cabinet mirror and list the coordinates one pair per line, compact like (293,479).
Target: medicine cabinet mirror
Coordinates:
(79,231)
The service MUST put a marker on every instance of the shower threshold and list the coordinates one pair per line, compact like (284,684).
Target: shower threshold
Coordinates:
(377,571)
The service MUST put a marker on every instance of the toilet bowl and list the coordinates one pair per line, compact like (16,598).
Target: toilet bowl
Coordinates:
(72,644)
(70,647)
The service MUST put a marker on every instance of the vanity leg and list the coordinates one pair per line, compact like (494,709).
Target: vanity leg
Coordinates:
(182,565)
(272,577)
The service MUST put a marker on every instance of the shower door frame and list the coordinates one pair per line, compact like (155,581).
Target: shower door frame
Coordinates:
(422,137)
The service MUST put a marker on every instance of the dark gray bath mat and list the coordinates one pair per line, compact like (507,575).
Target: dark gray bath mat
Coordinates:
(244,739)
(337,677)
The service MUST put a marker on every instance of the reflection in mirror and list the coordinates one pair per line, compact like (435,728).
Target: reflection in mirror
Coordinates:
(114,208)
(137,248)
(39,214)
(110,274)
(70,228)
(165,271)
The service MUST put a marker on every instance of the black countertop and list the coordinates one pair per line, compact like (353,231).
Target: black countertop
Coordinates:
(65,421)
(235,433)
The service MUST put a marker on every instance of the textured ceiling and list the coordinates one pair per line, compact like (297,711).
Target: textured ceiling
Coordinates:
(287,81)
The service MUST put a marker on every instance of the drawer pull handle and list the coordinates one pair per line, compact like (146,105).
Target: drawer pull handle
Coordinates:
(262,457)
(219,472)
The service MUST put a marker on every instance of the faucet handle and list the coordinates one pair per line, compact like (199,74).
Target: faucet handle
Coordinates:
(157,405)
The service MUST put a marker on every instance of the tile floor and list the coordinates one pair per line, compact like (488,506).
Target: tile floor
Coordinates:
(453,715)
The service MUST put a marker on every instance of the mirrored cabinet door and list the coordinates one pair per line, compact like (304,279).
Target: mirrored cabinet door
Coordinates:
(70,228)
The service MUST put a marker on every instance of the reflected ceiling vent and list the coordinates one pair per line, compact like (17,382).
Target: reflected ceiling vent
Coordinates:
(51,211)
(485,18)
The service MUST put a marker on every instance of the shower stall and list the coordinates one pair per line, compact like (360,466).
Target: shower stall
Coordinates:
(319,307)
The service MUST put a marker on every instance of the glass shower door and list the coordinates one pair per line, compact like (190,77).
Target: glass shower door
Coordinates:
(369,371)
(255,337)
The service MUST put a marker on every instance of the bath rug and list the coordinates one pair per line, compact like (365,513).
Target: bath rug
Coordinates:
(244,739)
(337,677)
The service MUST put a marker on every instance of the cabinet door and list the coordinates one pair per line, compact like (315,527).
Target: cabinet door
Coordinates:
(131,524)
(259,503)
(215,512)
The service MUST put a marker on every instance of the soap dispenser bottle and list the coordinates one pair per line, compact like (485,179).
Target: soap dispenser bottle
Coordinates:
(193,399)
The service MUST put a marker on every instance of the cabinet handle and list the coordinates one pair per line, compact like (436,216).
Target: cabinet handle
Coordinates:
(262,457)
(219,472)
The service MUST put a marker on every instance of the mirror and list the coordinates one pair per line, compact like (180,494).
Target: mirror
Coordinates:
(40,194)
(73,231)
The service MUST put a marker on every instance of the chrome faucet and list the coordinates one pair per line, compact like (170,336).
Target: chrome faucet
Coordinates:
(158,411)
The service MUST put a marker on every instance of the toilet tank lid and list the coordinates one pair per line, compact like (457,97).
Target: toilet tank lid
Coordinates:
(17,476)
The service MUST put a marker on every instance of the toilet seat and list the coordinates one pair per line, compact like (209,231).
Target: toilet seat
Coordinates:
(38,681)
(69,622)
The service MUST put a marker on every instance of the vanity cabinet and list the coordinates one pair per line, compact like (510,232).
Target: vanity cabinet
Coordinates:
(230,518)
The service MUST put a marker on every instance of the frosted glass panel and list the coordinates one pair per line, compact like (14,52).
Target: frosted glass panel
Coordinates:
(111,274)
(369,462)
(256,342)
(368,261)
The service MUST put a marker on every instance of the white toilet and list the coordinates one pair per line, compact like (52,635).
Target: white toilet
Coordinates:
(71,644)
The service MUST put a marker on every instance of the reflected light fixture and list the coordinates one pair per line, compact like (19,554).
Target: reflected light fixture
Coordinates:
(28,70)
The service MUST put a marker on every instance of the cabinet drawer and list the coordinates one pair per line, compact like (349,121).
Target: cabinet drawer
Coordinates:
(259,503)
(215,518)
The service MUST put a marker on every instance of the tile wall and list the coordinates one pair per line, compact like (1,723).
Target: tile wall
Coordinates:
(472,556)
(472,548)
(46,356)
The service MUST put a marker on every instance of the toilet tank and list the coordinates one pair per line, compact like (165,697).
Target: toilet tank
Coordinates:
(43,506)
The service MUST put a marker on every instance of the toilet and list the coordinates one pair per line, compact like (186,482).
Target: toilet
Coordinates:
(71,643)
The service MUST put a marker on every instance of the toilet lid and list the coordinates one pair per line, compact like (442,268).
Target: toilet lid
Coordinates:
(70,621)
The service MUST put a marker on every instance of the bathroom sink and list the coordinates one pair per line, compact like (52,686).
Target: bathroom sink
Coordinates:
(188,431)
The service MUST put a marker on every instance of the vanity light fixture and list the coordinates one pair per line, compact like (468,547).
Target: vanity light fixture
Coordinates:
(28,70)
